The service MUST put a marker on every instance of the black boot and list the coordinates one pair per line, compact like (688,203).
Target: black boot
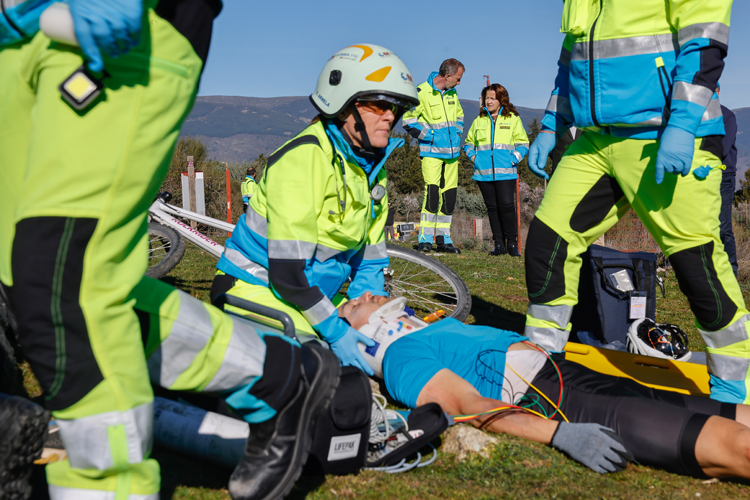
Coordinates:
(277,449)
(447,248)
(513,250)
(499,249)
(23,427)
(424,247)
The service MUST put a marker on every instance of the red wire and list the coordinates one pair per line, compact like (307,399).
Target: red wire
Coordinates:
(559,373)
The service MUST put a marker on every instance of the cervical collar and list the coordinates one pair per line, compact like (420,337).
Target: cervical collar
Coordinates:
(385,326)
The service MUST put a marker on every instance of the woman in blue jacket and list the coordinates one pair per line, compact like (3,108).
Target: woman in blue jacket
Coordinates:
(496,142)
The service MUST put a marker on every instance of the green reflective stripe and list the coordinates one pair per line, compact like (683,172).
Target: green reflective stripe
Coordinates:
(559,104)
(87,439)
(118,445)
(61,493)
(714,31)
(320,312)
(713,110)
(57,319)
(375,252)
(190,334)
(243,359)
(623,47)
(239,260)
(559,315)
(551,339)
(736,332)
(690,92)
(549,269)
(727,367)
(256,222)
(291,249)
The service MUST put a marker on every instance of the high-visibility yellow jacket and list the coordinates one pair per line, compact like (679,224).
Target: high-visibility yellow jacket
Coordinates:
(629,67)
(496,146)
(298,240)
(248,188)
(437,122)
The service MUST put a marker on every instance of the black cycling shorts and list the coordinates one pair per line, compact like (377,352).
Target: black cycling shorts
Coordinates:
(659,427)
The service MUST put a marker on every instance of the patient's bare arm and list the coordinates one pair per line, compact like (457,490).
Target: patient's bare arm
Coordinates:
(458,397)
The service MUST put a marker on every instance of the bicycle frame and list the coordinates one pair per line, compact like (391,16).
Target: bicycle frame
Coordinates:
(162,212)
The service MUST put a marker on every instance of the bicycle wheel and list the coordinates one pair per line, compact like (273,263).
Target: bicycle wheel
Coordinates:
(165,249)
(427,284)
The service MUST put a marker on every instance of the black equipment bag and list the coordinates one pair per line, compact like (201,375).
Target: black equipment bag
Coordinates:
(342,431)
(603,307)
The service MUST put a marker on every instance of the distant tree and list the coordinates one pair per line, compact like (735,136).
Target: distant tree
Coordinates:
(404,167)
(742,195)
(524,173)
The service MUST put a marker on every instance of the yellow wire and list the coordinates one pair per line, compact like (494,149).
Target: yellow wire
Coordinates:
(540,392)
(498,409)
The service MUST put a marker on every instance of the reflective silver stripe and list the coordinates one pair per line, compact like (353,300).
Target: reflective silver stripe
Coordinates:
(560,315)
(444,219)
(690,92)
(409,121)
(87,442)
(559,104)
(714,31)
(564,57)
(191,332)
(62,493)
(443,231)
(550,338)
(428,230)
(484,147)
(243,359)
(736,332)
(522,144)
(320,311)
(256,222)
(651,122)
(727,367)
(291,249)
(375,252)
(623,47)
(429,149)
(436,126)
(487,147)
(498,170)
(12,3)
(238,259)
(470,149)
(713,110)
(323,253)
(428,217)
(518,155)
(423,133)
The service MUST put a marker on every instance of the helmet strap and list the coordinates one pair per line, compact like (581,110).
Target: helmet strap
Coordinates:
(366,151)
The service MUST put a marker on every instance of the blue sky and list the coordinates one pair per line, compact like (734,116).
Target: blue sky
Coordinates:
(277,48)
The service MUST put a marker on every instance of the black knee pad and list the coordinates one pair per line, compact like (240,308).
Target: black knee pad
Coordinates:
(596,204)
(449,201)
(546,252)
(433,198)
(696,275)
(47,264)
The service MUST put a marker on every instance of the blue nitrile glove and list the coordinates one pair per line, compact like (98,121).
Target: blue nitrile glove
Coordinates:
(593,445)
(675,153)
(539,151)
(109,26)
(343,340)
(702,172)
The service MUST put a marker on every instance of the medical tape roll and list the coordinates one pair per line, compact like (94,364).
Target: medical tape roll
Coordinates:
(385,326)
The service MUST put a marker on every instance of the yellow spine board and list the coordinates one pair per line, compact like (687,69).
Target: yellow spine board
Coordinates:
(665,374)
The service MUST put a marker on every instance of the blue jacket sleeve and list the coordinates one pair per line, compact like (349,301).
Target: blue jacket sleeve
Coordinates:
(367,270)
(559,115)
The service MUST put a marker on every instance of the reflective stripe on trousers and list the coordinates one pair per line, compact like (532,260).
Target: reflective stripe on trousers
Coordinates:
(548,326)
(728,360)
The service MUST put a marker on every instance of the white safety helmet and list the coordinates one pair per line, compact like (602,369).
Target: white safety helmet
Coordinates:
(363,71)
(662,340)
(386,325)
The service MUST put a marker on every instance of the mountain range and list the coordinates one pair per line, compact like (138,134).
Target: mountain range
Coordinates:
(237,129)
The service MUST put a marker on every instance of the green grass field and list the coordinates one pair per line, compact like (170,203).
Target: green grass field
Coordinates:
(516,468)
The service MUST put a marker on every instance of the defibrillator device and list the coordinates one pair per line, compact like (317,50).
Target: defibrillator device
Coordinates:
(385,326)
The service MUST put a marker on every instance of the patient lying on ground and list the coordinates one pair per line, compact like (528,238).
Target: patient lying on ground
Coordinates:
(470,369)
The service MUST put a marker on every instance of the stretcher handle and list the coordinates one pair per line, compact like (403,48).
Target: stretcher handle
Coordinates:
(260,310)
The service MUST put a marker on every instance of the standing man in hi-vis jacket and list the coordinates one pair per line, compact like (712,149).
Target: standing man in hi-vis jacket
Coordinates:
(438,123)
(638,77)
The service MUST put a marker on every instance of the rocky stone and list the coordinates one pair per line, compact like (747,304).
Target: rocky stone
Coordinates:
(464,440)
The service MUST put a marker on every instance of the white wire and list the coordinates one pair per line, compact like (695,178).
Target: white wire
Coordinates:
(379,416)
